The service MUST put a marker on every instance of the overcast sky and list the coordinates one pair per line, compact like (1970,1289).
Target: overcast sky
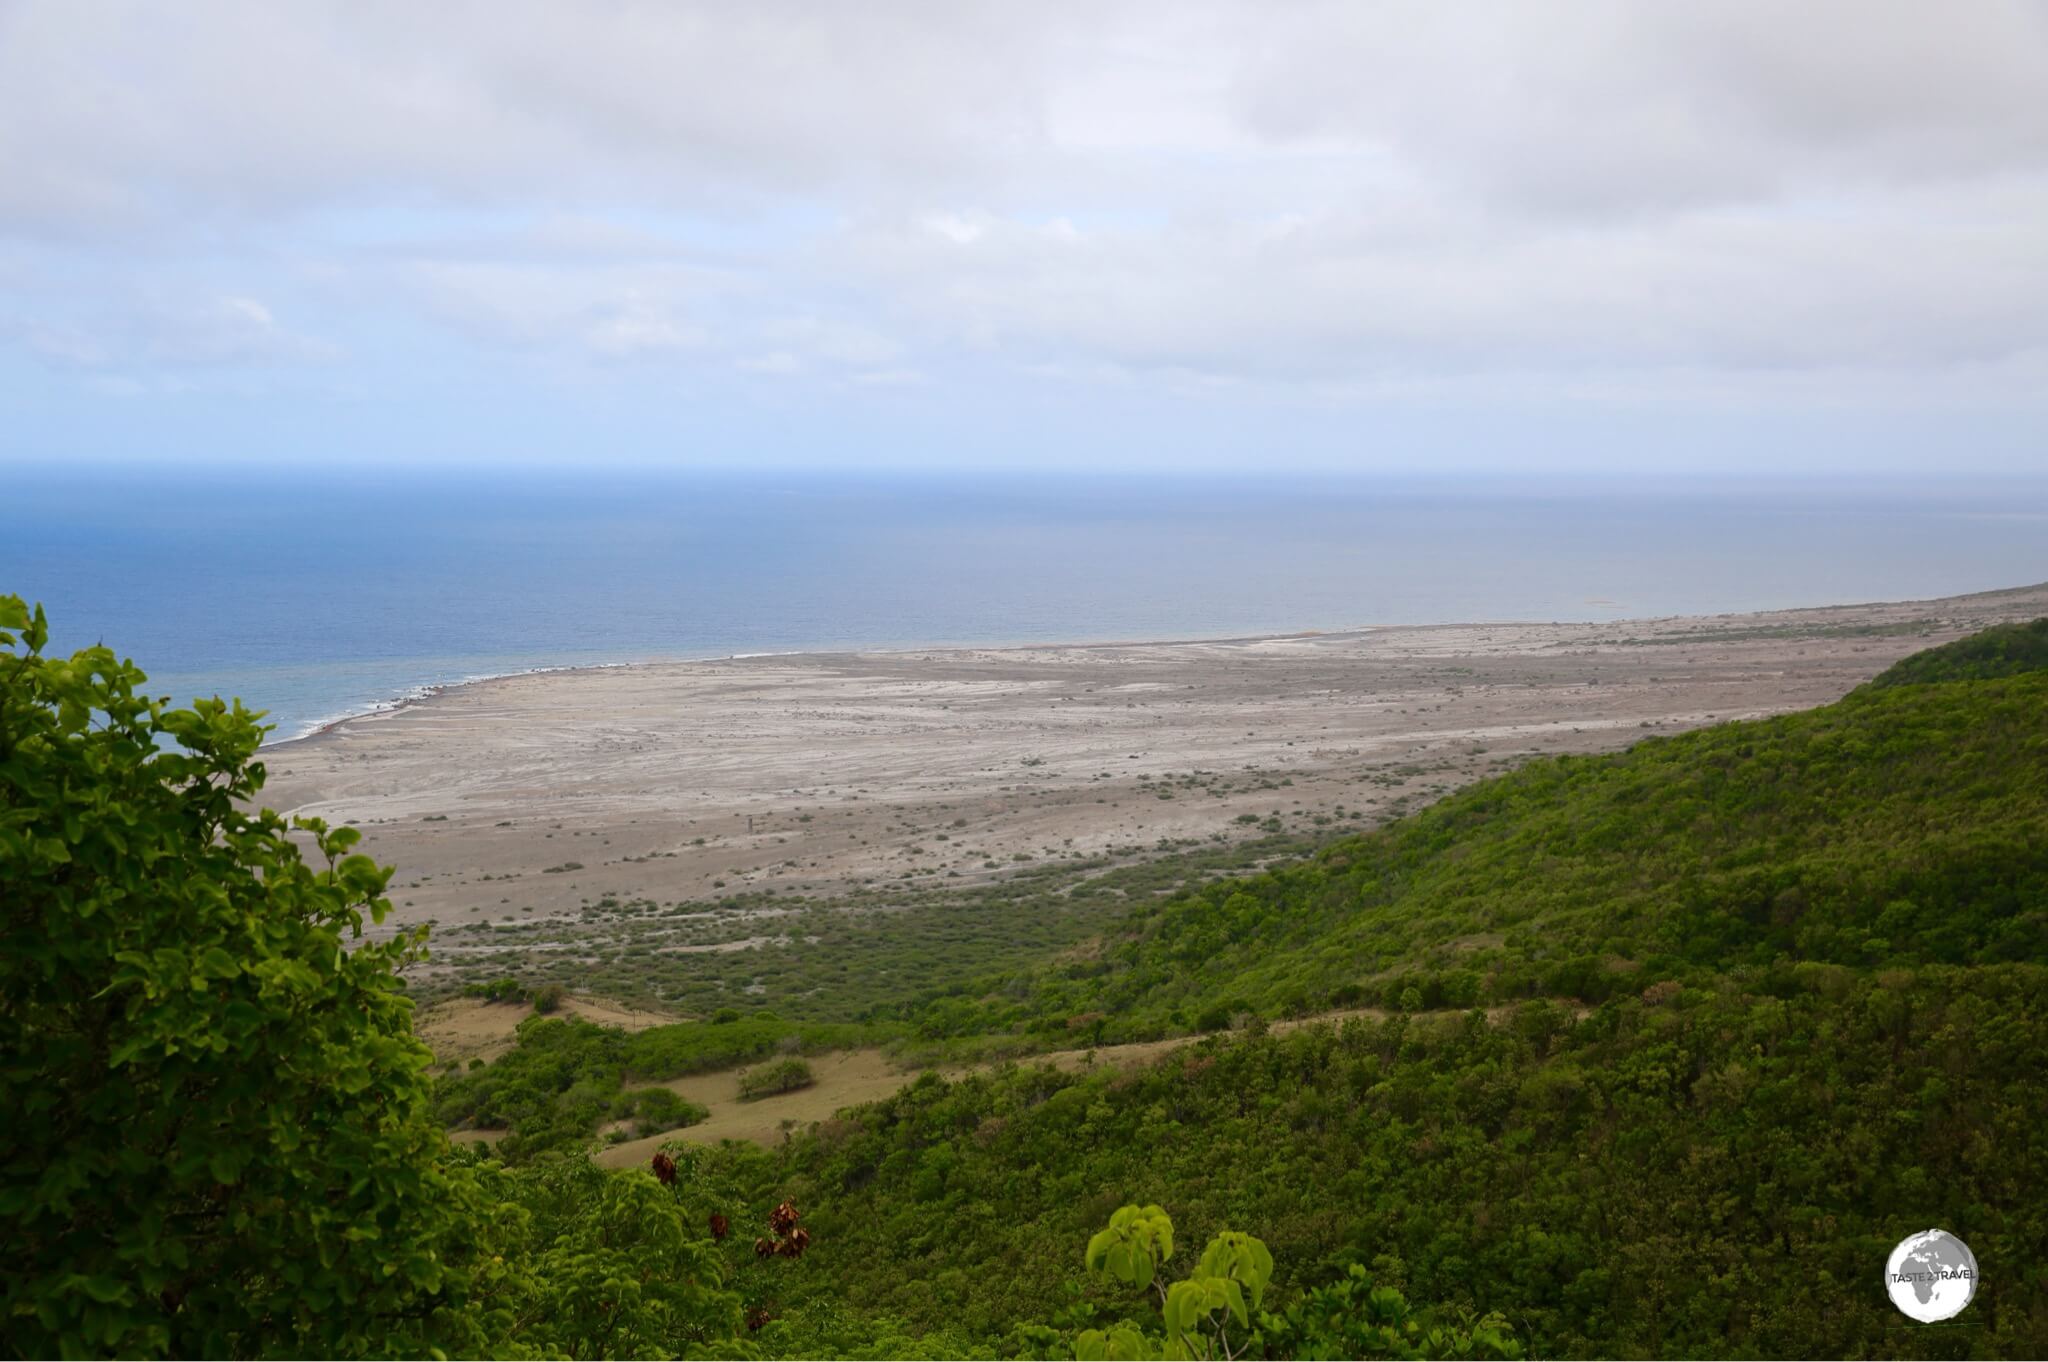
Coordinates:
(1806,237)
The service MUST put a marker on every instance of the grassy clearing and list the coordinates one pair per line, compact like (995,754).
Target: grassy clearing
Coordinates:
(854,1078)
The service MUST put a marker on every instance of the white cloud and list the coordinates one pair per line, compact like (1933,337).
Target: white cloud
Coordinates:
(1604,107)
(839,342)
(639,325)
(1826,199)
(611,310)
(890,378)
(130,115)
(1743,289)
(153,331)
(127,112)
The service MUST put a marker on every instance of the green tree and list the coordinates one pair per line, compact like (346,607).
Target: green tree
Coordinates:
(604,1264)
(1199,1311)
(1353,1318)
(218,1139)
(1214,1311)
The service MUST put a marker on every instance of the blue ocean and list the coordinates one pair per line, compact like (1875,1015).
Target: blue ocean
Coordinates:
(314,598)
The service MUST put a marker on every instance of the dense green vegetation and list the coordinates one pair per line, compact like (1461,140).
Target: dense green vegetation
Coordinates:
(217,1136)
(1215,1311)
(2005,650)
(219,1140)
(1713,1170)
(1656,1053)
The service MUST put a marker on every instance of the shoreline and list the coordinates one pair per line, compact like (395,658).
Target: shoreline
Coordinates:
(706,785)
(420,694)
(426,693)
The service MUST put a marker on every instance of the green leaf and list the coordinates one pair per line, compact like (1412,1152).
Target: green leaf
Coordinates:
(1233,1296)
(218,964)
(106,1290)
(1186,1303)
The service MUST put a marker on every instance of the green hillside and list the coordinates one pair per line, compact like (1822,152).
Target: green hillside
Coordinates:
(1902,826)
(2005,650)
(1759,1000)
(1712,1170)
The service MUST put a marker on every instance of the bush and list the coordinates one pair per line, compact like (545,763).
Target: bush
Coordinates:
(784,1075)
(654,1110)
(549,998)
(209,1073)
(505,990)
